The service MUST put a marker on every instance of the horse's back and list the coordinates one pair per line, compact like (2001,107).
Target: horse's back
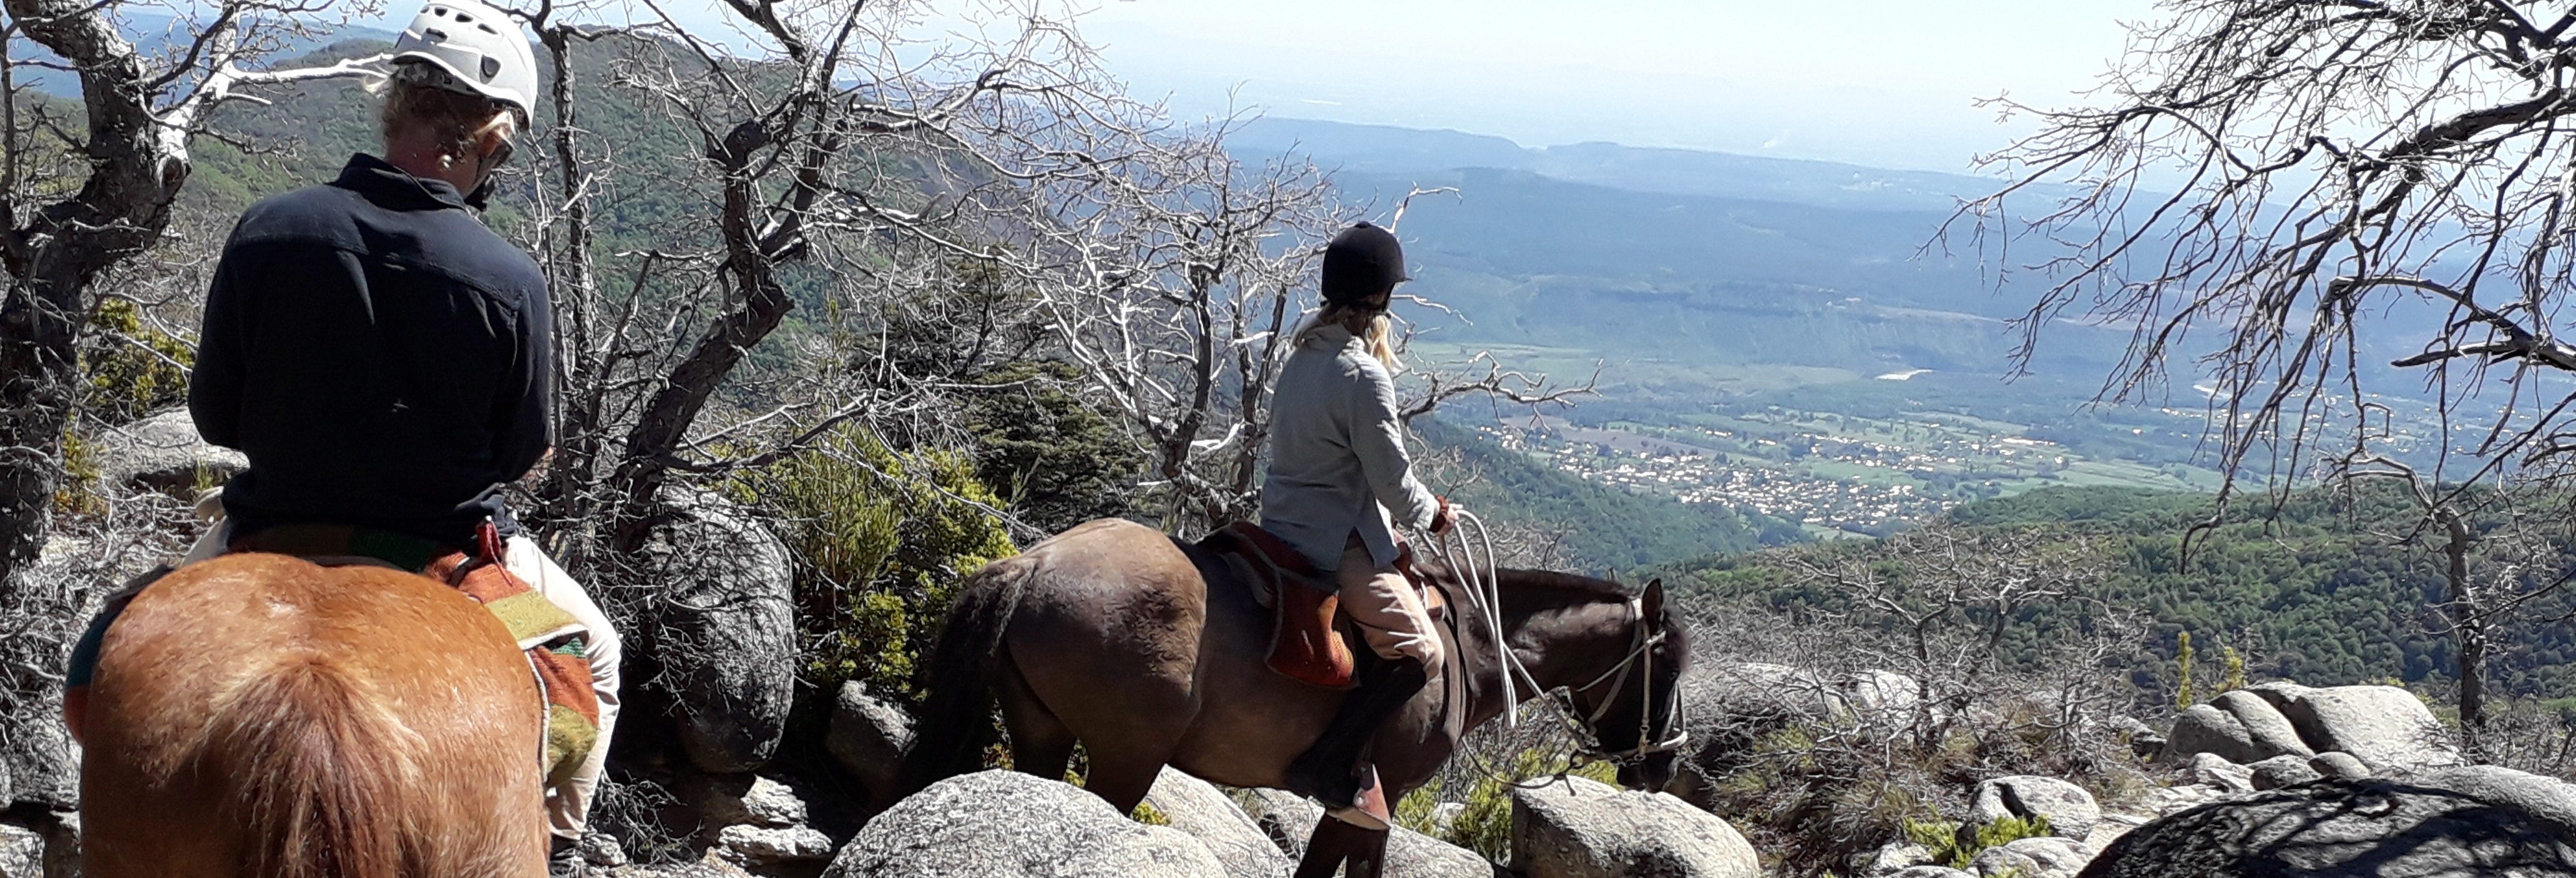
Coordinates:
(380,722)
(1119,626)
(1107,596)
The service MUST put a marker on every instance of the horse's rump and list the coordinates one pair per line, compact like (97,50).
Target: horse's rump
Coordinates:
(257,715)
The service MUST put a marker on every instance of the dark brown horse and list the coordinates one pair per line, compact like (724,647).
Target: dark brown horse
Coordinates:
(258,716)
(1147,652)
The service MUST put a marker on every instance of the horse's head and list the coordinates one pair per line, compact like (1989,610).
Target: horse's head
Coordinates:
(1633,709)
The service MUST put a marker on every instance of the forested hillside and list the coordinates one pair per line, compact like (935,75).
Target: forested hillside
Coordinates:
(2325,589)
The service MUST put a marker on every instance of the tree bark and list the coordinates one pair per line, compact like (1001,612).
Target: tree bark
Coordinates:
(2468,631)
(135,170)
(655,442)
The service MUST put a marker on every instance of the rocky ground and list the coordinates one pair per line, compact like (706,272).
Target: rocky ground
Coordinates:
(2273,780)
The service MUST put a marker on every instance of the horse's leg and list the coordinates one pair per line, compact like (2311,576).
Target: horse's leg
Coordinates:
(1124,773)
(1040,744)
(1332,842)
(1128,753)
(1367,857)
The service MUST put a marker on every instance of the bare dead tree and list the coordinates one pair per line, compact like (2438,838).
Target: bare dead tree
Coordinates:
(790,164)
(82,192)
(2261,186)
(1953,595)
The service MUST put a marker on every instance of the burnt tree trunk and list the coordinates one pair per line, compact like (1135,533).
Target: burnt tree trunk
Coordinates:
(55,252)
(2468,630)
(751,266)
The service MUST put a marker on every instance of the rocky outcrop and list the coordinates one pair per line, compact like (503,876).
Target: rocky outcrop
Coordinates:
(728,632)
(2205,729)
(2071,811)
(1289,819)
(1879,693)
(756,821)
(1890,858)
(2456,822)
(1194,806)
(1578,828)
(867,737)
(706,868)
(162,453)
(39,764)
(2212,770)
(743,799)
(22,852)
(2285,770)
(1002,824)
(2268,732)
(2384,726)
(2039,857)
(1772,691)
(1930,872)
(2339,765)
(772,845)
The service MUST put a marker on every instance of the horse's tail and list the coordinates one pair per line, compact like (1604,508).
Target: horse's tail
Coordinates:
(956,721)
(314,770)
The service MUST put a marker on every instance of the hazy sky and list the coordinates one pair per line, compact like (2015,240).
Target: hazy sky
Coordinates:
(1877,82)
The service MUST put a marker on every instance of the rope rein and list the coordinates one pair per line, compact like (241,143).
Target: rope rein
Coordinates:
(1459,552)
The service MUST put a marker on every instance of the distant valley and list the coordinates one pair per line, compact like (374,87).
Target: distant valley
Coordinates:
(1781,337)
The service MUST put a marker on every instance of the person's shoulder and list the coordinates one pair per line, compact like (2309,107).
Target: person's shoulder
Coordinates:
(1361,364)
(318,213)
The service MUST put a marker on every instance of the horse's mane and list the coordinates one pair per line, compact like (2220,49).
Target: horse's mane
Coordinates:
(1569,582)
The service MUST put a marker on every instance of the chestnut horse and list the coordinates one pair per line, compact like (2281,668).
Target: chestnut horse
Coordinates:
(258,716)
(1147,652)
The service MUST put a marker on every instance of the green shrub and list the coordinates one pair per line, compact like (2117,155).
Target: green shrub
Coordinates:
(1149,815)
(1485,823)
(132,368)
(883,539)
(77,492)
(1949,849)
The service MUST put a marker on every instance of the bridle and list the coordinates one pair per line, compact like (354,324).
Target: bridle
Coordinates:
(1458,552)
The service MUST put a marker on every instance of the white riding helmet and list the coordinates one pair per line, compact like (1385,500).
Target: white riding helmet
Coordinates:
(481,49)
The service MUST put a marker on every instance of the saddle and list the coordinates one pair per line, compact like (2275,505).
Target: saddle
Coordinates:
(1307,641)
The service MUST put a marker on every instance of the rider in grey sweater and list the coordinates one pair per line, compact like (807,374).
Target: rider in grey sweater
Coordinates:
(1339,480)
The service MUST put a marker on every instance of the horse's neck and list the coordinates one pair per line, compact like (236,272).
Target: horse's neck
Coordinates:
(1561,637)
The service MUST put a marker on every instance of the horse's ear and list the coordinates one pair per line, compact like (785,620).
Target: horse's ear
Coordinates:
(1653,600)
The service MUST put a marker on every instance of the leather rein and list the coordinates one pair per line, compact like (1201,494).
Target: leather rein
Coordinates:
(1483,585)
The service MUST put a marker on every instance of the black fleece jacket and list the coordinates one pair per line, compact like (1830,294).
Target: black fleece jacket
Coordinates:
(381,357)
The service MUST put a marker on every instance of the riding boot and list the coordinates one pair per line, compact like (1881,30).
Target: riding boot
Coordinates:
(564,859)
(1328,770)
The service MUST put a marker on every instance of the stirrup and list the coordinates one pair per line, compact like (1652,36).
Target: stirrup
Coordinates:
(1371,812)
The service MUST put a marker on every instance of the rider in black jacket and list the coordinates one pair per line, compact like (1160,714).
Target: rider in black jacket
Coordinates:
(381,357)
(384,360)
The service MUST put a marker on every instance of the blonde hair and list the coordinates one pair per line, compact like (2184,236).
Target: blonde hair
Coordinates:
(416,98)
(1378,330)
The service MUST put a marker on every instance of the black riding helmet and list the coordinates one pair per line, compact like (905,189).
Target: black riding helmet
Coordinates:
(1360,263)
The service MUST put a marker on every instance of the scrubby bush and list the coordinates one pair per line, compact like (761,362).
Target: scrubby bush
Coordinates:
(1950,848)
(1815,770)
(1484,822)
(882,538)
(133,367)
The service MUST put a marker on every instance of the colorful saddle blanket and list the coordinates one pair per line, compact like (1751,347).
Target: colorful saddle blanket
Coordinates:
(555,642)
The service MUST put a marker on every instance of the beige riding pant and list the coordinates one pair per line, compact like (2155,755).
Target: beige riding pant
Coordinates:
(1390,613)
(567,807)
